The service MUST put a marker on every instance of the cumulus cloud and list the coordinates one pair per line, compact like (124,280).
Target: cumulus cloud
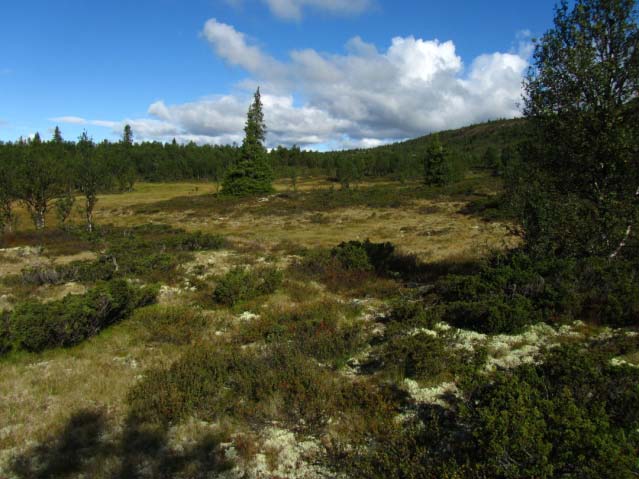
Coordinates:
(362,97)
(415,86)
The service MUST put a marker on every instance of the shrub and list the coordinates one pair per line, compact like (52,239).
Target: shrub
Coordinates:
(173,325)
(496,315)
(279,384)
(321,330)
(5,333)
(514,291)
(352,256)
(426,357)
(35,326)
(573,415)
(241,284)
(80,271)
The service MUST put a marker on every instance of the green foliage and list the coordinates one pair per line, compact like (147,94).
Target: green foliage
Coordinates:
(241,284)
(92,175)
(435,164)
(252,175)
(576,192)
(35,326)
(570,416)
(423,356)
(64,207)
(323,330)
(153,252)
(213,382)
(515,291)
(5,333)
(352,256)
(493,315)
(40,176)
(77,271)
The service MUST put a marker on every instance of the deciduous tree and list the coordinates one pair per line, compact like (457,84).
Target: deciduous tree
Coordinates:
(580,193)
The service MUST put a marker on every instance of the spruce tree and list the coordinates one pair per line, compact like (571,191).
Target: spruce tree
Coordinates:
(252,175)
(436,164)
(57,136)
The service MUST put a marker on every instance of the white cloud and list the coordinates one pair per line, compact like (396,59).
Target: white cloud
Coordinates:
(74,120)
(294,9)
(363,97)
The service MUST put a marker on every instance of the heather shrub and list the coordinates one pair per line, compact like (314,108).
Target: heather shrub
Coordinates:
(278,384)
(323,330)
(352,257)
(241,284)
(426,357)
(170,324)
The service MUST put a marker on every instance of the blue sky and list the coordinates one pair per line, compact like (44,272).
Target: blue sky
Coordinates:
(334,73)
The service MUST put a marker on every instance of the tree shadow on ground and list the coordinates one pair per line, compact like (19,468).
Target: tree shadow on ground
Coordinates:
(85,447)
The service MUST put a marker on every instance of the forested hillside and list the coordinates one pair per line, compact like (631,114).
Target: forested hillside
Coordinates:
(153,161)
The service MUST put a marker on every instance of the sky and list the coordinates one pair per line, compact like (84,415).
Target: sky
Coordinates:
(333,74)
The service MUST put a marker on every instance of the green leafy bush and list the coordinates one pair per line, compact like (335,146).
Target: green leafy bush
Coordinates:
(35,326)
(241,284)
(493,315)
(79,271)
(352,257)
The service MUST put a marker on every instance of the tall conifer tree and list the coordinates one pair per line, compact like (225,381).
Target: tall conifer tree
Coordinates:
(252,175)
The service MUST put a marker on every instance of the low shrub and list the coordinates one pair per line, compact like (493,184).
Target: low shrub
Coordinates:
(241,284)
(153,252)
(170,324)
(103,269)
(352,256)
(514,291)
(322,330)
(493,315)
(5,333)
(409,311)
(279,384)
(572,415)
(425,357)
(345,268)
(35,326)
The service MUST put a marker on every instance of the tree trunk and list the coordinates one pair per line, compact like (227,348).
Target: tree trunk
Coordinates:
(626,236)
(90,204)
(38,218)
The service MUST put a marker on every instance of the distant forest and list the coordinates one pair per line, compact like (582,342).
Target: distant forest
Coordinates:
(483,145)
